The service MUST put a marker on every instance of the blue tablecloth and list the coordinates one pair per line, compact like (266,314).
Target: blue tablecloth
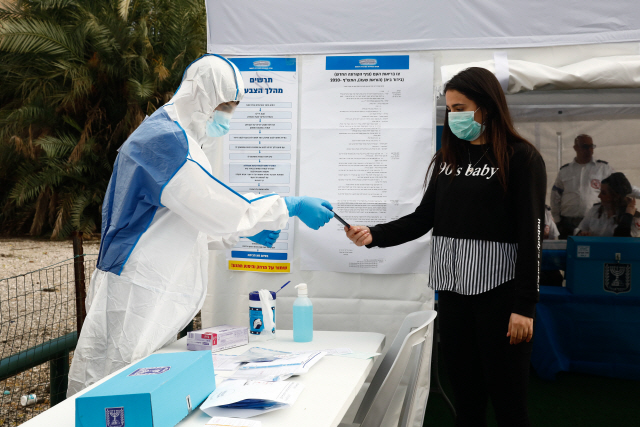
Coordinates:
(597,335)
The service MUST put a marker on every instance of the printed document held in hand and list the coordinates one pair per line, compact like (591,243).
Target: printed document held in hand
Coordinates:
(245,399)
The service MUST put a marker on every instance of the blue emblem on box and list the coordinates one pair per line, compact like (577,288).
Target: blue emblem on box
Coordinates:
(149,371)
(617,278)
(115,417)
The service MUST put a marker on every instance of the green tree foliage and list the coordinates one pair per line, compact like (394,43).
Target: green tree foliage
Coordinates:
(76,78)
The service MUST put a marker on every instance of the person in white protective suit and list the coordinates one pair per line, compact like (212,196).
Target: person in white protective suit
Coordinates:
(162,210)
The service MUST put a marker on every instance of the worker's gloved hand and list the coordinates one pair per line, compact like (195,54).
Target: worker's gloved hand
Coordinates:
(312,211)
(265,238)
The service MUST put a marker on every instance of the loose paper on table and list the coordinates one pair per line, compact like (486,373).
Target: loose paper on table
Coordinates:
(366,135)
(279,369)
(280,394)
(225,362)
(260,152)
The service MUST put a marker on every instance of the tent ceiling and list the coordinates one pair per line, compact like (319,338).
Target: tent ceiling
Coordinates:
(275,27)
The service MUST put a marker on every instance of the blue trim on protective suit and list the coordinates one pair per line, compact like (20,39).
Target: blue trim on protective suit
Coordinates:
(229,188)
(205,171)
(220,182)
(147,160)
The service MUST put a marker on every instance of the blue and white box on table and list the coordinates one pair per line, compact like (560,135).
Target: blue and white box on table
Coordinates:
(603,265)
(158,391)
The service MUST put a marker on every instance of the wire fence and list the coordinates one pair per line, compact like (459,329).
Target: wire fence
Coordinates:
(37,335)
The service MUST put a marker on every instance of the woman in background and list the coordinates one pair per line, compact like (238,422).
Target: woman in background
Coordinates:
(616,215)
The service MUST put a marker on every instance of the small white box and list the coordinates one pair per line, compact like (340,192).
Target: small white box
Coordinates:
(218,338)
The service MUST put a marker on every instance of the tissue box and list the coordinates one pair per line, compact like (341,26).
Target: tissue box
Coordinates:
(218,338)
(158,391)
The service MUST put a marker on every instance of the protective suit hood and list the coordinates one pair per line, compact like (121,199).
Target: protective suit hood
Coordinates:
(207,82)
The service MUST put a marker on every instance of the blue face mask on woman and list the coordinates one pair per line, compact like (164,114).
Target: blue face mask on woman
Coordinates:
(219,125)
(464,126)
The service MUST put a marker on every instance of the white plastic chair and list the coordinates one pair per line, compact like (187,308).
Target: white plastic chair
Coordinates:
(409,341)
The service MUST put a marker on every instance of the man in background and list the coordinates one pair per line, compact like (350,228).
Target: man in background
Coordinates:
(577,186)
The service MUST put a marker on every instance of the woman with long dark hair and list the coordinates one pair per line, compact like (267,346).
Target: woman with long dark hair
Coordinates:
(484,201)
(616,215)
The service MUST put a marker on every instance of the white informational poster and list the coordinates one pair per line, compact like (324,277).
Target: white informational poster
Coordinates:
(366,134)
(260,152)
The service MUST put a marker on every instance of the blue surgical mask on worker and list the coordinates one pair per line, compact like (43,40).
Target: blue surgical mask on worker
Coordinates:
(219,124)
(464,126)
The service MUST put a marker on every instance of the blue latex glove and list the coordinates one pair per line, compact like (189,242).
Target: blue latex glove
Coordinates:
(265,238)
(312,211)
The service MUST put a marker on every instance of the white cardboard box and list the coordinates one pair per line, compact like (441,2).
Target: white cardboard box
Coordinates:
(218,338)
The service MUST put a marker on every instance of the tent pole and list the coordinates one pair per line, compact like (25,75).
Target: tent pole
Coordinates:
(559,149)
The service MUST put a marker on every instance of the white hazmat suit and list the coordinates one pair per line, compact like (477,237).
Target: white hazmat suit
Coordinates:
(162,208)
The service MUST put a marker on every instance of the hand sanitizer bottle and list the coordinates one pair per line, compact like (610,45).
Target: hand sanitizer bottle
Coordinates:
(302,316)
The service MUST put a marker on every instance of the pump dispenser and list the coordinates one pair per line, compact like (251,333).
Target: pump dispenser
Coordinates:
(302,316)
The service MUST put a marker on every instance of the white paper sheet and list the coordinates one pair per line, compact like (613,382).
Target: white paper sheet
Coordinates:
(366,143)
(225,362)
(337,351)
(232,422)
(232,391)
(260,152)
(261,354)
(279,370)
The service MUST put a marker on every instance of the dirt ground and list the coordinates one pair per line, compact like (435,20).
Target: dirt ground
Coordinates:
(21,255)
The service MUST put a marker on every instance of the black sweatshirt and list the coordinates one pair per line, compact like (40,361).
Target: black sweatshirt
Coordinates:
(469,210)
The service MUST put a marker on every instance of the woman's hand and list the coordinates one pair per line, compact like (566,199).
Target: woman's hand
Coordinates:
(359,234)
(583,233)
(520,328)
(631,205)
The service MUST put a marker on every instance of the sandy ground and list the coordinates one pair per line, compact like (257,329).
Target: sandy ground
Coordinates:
(35,308)
(19,256)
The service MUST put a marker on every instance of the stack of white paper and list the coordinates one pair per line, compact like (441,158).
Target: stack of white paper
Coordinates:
(279,369)
(245,399)
(259,354)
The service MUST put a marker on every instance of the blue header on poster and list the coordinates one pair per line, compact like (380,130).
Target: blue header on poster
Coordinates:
(388,62)
(265,64)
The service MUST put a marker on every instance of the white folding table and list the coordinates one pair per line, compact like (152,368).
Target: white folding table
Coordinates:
(331,385)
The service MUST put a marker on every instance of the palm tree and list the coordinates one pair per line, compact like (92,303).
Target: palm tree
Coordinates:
(76,78)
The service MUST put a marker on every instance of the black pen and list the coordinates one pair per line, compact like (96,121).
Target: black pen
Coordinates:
(336,216)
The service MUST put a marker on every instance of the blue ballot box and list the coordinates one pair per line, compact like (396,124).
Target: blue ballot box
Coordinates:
(603,265)
(158,391)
